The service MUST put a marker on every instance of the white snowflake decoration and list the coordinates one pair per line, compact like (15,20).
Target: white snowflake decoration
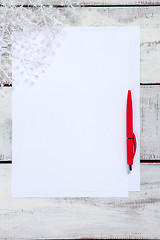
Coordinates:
(32,55)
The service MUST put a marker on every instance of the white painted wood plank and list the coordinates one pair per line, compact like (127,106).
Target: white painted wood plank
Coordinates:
(90,2)
(150,123)
(148,18)
(136,217)
(5,124)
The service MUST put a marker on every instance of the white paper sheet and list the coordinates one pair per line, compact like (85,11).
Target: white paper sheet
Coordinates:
(69,130)
(69,136)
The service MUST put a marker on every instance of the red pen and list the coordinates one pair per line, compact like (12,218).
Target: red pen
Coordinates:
(131,139)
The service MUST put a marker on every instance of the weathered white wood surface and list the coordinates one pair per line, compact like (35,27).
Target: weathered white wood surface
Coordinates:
(150,123)
(136,217)
(5,124)
(88,2)
(148,18)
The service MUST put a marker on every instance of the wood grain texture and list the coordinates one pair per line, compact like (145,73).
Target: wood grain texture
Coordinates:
(148,18)
(136,217)
(86,2)
(150,123)
(5,124)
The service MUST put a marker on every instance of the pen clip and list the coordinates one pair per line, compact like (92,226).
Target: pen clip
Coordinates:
(135,144)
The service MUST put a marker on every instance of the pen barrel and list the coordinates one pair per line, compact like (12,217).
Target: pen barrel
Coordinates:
(130,151)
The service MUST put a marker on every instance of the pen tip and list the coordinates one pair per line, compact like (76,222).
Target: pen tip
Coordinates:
(130,167)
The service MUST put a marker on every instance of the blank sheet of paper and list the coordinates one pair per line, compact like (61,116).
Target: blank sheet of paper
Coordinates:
(69,129)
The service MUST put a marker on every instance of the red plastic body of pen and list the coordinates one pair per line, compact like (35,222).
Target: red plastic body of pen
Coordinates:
(131,139)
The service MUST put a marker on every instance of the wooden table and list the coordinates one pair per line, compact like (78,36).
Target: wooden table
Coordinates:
(136,217)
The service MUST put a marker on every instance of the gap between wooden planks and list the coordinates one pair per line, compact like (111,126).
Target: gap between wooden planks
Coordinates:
(135,217)
(148,19)
(141,84)
(82,5)
(150,122)
(85,3)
